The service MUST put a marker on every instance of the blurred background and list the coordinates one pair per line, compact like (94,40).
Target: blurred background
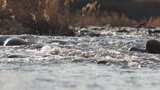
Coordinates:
(55,16)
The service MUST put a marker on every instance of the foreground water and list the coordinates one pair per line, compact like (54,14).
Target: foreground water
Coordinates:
(77,63)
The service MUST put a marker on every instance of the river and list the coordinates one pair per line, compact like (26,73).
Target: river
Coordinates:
(72,63)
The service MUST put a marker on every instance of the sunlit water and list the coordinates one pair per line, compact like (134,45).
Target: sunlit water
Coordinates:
(70,63)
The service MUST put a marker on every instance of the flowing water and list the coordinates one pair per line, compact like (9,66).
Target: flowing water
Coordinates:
(98,60)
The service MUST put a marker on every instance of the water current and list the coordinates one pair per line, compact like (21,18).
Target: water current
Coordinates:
(98,58)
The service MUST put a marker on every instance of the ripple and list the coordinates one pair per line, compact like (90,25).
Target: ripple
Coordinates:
(82,62)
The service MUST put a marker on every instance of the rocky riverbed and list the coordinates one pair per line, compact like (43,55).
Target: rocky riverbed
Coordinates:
(97,58)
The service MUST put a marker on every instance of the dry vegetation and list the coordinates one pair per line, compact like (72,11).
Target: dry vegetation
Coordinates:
(44,16)
(115,20)
(153,22)
(52,17)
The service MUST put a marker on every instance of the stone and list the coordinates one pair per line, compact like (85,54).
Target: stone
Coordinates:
(153,46)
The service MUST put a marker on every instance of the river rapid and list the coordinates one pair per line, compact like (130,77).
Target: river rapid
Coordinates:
(97,58)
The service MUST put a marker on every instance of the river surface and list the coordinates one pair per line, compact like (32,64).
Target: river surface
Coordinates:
(77,63)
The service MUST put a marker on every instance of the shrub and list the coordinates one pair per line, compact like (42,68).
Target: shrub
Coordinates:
(44,16)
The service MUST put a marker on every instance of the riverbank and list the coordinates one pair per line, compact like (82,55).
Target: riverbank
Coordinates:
(10,26)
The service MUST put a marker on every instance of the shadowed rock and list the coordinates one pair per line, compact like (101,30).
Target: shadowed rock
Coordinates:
(14,41)
(123,31)
(2,39)
(152,46)
(102,62)
(16,56)
(137,49)
(153,31)
(11,41)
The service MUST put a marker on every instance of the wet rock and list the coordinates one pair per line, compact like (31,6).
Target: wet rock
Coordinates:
(123,31)
(153,31)
(94,34)
(87,32)
(16,56)
(137,49)
(14,41)
(2,39)
(106,62)
(153,46)
(102,62)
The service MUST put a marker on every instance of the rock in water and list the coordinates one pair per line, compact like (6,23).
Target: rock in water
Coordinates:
(14,41)
(137,49)
(2,39)
(153,46)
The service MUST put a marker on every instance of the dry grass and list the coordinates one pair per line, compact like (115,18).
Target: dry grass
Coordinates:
(153,22)
(49,17)
(45,16)
(86,20)
(114,19)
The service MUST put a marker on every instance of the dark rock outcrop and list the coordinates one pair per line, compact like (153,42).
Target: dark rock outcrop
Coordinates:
(152,46)
(12,41)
